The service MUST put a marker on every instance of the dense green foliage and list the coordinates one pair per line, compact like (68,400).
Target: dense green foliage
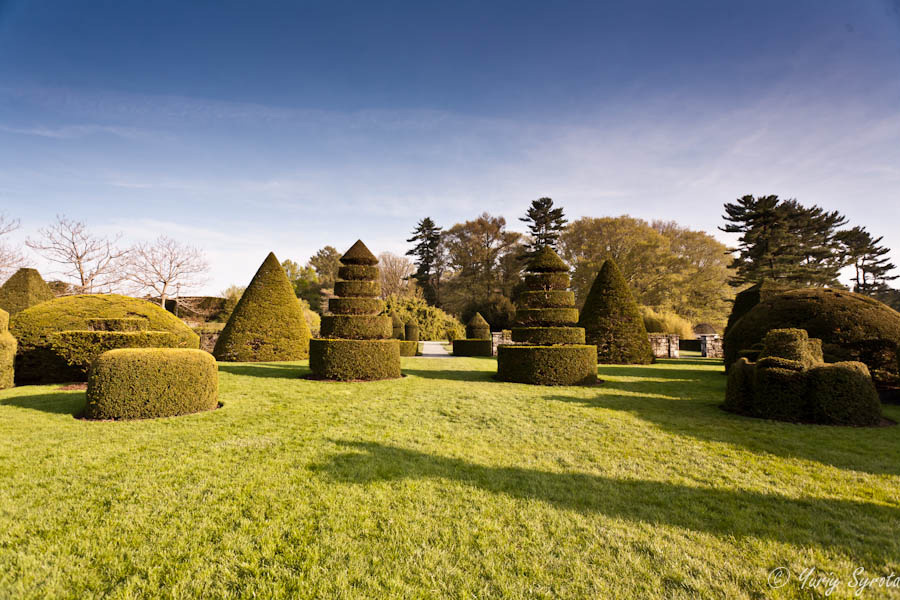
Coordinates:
(546,260)
(497,309)
(355,306)
(23,290)
(408,348)
(36,362)
(543,336)
(151,382)
(872,266)
(80,348)
(851,326)
(547,365)
(411,330)
(612,320)
(666,321)
(473,347)
(7,352)
(434,323)
(546,299)
(842,394)
(355,360)
(121,324)
(546,317)
(359,254)
(545,222)
(429,258)
(477,328)
(358,288)
(357,327)
(268,322)
(398,331)
(792,344)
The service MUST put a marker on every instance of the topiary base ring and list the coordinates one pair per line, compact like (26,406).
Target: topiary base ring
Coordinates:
(354,360)
(473,347)
(547,365)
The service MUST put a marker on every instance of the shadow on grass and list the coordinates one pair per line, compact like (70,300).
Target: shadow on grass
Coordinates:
(862,528)
(60,403)
(284,371)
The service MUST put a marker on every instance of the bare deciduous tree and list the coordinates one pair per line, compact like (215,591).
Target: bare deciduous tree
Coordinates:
(94,262)
(165,265)
(395,272)
(10,256)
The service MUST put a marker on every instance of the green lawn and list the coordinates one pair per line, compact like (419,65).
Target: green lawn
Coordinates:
(442,484)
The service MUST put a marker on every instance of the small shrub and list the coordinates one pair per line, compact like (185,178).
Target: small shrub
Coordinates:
(793,344)
(353,360)
(843,394)
(411,332)
(146,383)
(473,347)
(397,329)
(409,348)
(547,365)
(7,352)
(80,348)
(23,290)
(477,328)
(497,310)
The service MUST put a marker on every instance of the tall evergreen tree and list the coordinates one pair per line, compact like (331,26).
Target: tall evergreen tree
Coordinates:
(429,258)
(872,266)
(545,223)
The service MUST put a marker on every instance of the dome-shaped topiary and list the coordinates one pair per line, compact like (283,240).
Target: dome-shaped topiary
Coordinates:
(612,320)
(7,352)
(546,260)
(268,323)
(23,290)
(38,328)
(852,327)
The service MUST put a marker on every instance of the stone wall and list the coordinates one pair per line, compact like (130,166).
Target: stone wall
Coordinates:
(664,345)
(501,337)
(711,346)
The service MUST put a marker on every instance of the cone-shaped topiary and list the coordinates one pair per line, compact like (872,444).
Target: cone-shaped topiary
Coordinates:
(7,351)
(356,341)
(552,351)
(23,290)
(478,340)
(612,320)
(268,323)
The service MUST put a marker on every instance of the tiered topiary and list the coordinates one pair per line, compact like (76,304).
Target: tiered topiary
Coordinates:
(612,320)
(410,344)
(791,383)
(151,382)
(37,330)
(23,290)
(550,350)
(268,323)
(478,340)
(356,342)
(7,352)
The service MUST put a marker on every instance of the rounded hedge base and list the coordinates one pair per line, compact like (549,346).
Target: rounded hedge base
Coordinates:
(548,336)
(144,383)
(473,348)
(354,360)
(408,348)
(547,365)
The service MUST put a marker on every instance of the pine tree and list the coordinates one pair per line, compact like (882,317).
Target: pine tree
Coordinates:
(870,261)
(545,224)
(429,259)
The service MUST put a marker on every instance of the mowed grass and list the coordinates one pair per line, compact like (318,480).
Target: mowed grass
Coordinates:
(445,484)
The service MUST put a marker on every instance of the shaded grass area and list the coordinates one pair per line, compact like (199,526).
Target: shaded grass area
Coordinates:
(442,484)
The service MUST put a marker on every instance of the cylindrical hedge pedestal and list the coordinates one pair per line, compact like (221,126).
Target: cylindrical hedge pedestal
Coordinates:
(473,347)
(354,360)
(408,348)
(547,365)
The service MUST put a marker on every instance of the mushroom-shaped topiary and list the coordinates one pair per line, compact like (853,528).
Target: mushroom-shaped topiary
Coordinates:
(356,341)
(550,350)
(23,290)
(268,323)
(478,340)
(7,352)
(612,320)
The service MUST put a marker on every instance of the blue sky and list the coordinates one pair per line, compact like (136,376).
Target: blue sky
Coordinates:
(245,127)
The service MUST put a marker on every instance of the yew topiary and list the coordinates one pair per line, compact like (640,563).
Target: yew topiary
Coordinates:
(268,322)
(411,331)
(612,320)
(23,290)
(478,340)
(7,352)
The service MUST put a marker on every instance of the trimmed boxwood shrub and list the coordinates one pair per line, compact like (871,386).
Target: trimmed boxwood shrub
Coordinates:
(546,299)
(547,365)
(477,328)
(23,290)
(739,389)
(550,317)
(411,331)
(357,327)
(473,347)
(358,272)
(842,394)
(409,348)
(359,254)
(268,322)
(80,348)
(612,320)
(143,383)
(36,362)
(548,336)
(547,281)
(852,327)
(7,352)
(397,330)
(779,391)
(354,360)
(355,306)
(123,324)
(793,344)
(359,288)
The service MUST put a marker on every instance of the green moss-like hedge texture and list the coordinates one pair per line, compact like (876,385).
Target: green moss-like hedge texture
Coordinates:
(23,290)
(80,348)
(409,348)
(473,347)
(398,332)
(478,328)
(795,387)
(547,365)
(546,299)
(548,336)
(546,260)
(411,331)
(852,327)
(546,281)
(355,360)
(546,317)
(7,352)
(434,323)
(357,343)
(612,320)
(36,362)
(144,383)
(745,300)
(123,324)
(268,323)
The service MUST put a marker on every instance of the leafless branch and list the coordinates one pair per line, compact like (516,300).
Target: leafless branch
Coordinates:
(11,258)
(164,266)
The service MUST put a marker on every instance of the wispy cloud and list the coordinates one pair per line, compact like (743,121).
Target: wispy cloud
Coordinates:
(68,132)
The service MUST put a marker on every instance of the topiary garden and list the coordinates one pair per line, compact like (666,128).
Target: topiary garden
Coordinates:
(549,349)
(356,342)
(268,322)
(409,346)
(478,340)
(23,290)
(612,320)
(7,352)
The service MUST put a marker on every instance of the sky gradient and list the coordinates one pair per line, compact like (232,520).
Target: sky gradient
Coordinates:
(247,127)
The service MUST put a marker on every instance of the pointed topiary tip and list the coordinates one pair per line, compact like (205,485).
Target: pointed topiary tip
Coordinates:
(546,260)
(358,254)
(478,321)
